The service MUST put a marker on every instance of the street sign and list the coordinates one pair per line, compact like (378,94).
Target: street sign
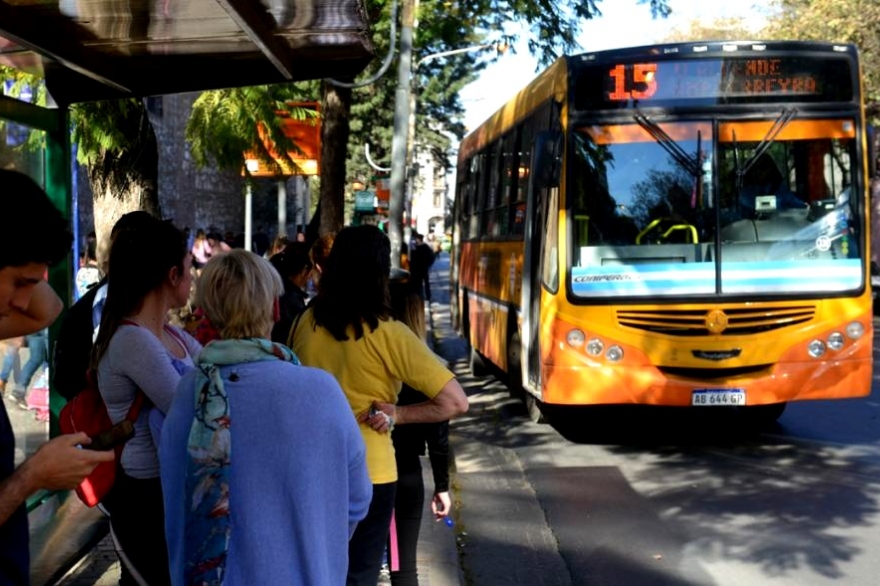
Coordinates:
(364,201)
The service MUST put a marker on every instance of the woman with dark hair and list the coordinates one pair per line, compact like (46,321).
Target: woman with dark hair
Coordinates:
(294,267)
(348,330)
(137,354)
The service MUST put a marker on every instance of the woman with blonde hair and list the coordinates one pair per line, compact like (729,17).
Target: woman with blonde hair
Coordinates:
(263,467)
(410,442)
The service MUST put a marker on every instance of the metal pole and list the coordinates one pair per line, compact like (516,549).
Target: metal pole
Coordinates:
(282,208)
(401,127)
(248,215)
(410,175)
(303,188)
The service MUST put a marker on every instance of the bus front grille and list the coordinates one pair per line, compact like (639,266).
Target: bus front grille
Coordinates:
(709,374)
(712,321)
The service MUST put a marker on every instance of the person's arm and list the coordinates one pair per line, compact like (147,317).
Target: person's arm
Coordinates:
(57,465)
(438,453)
(437,438)
(140,356)
(44,307)
(449,403)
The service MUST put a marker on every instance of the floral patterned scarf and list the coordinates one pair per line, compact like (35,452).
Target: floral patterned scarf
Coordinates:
(208,527)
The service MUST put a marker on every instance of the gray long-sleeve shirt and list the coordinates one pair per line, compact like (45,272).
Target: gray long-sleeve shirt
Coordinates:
(136,359)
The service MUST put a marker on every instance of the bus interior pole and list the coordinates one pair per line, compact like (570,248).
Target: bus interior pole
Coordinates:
(401,129)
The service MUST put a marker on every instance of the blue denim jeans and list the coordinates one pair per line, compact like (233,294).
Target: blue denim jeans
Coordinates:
(38,345)
(10,356)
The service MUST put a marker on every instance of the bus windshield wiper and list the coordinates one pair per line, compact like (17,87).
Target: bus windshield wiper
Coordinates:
(781,122)
(690,164)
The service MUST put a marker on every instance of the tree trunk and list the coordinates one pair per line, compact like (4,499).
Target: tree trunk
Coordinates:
(126,180)
(335,129)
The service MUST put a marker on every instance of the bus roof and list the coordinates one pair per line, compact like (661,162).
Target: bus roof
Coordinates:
(89,50)
(553,81)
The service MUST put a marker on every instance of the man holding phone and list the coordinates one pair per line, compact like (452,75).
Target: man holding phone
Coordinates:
(34,237)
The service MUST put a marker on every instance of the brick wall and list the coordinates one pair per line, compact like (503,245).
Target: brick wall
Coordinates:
(200,198)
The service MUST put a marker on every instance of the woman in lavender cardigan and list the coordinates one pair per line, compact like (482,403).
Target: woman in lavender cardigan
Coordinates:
(263,466)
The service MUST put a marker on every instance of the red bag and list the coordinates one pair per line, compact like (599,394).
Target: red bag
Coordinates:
(86,412)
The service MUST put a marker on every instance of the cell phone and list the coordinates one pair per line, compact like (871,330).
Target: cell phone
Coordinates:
(113,437)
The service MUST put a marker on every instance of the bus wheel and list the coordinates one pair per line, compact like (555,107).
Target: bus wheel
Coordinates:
(533,406)
(763,415)
(514,368)
(477,363)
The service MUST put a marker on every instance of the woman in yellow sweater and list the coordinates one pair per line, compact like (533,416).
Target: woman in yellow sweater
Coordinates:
(348,330)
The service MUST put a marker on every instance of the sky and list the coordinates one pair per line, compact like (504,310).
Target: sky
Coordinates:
(623,23)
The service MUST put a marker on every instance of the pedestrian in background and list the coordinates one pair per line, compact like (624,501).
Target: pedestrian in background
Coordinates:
(319,252)
(38,357)
(409,446)
(11,365)
(200,249)
(294,267)
(420,266)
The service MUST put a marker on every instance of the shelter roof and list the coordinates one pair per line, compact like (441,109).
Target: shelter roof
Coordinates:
(100,49)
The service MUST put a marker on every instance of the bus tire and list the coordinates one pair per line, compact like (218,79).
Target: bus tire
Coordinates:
(533,406)
(477,363)
(514,368)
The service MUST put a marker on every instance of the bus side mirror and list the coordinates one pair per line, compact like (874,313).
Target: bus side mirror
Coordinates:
(548,159)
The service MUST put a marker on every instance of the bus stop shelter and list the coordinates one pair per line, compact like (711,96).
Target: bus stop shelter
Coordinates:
(88,50)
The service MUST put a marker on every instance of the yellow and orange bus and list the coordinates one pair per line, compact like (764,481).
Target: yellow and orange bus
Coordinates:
(680,225)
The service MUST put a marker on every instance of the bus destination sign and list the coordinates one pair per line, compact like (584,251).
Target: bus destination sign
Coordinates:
(713,81)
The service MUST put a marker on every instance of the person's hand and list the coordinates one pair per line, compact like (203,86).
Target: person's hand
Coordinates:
(441,505)
(60,465)
(380,416)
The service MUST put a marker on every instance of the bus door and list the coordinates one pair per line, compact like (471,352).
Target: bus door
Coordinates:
(544,176)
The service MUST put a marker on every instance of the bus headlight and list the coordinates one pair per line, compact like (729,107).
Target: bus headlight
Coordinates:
(855,330)
(595,347)
(575,338)
(816,348)
(836,341)
(614,354)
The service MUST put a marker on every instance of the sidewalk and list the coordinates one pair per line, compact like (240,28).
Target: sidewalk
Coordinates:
(437,556)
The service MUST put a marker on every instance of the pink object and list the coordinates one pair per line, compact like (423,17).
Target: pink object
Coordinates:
(393,555)
(38,399)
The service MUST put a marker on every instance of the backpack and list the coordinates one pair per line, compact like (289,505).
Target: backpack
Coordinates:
(73,347)
(86,412)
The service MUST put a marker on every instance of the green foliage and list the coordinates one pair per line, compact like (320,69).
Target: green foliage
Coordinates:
(444,25)
(844,21)
(105,127)
(225,123)
(723,29)
(23,83)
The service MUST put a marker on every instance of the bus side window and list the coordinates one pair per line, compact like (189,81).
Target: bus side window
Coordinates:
(508,182)
(523,148)
(550,262)
(490,187)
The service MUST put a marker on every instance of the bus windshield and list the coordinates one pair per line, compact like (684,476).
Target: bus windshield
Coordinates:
(714,208)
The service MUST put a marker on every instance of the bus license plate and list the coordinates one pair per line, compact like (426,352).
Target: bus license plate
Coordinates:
(718,397)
